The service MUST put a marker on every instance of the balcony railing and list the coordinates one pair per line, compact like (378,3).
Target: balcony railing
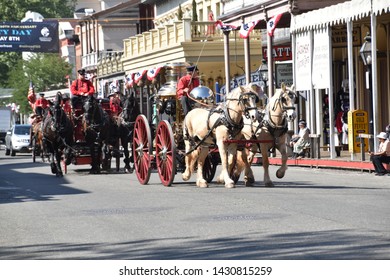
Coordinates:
(89,61)
(109,62)
(172,35)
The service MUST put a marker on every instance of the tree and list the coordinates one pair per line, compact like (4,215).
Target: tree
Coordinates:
(46,71)
(14,11)
(180,13)
(194,12)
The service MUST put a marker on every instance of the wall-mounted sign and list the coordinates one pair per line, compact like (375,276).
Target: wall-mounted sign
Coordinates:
(29,36)
(283,74)
(339,37)
(279,53)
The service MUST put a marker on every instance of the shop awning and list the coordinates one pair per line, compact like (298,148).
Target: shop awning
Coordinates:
(379,6)
(336,14)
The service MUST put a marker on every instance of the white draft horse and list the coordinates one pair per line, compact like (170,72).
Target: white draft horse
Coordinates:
(57,130)
(270,128)
(203,127)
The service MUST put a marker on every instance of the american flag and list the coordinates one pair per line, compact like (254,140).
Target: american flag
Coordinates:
(31,97)
(153,72)
(247,28)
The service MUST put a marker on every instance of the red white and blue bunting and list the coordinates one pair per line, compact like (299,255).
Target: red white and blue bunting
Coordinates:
(153,72)
(138,76)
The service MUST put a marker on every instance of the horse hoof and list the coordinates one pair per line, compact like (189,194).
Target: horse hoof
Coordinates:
(230,185)
(202,184)
(185,177)
(269,184)
(249,182)
(59,175)
(279,174)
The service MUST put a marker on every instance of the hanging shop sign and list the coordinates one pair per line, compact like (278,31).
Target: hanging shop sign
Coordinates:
(29,37)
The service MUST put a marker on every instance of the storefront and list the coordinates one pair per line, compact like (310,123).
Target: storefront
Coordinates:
(328,46)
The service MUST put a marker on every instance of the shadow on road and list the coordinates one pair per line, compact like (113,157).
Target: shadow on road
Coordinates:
(321,245)
(14,188)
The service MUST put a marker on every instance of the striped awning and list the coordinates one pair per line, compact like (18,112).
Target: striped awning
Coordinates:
(338,14)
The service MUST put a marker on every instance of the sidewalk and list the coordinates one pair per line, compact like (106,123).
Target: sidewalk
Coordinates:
(342,162)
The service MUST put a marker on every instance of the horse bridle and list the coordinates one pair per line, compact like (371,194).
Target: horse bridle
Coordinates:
(241,101)
(281,102)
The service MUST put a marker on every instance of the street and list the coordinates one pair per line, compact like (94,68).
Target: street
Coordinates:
(310,214)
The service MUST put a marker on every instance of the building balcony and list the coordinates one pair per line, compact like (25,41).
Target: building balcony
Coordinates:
(109,63)
(178,41)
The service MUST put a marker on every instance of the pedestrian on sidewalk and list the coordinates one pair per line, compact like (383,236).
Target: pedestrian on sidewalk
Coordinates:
(382,156)
(301,140)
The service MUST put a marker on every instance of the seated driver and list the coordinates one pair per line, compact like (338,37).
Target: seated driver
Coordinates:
(185,85)
(81,89)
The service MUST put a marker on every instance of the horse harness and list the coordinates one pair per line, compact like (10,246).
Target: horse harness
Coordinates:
(223,119)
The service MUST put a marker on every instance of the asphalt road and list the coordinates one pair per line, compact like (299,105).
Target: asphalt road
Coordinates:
(310,214)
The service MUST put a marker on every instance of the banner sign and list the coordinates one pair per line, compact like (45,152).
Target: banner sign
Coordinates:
(241,81)
(303,61)
(321,67)
(29,36)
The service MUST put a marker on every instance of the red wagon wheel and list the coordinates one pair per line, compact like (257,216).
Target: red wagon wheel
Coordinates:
(165,153)
(142,149)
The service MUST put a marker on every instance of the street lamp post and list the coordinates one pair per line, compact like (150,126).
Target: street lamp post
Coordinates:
(263,72)
(365,53)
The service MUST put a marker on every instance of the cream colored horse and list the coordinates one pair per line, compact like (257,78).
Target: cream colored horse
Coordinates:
(202,128)
(272,131)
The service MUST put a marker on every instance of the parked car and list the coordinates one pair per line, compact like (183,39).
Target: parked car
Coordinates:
(17,139)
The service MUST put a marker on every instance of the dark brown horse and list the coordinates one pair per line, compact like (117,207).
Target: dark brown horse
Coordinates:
(57,131)
(96,128)
(125,122)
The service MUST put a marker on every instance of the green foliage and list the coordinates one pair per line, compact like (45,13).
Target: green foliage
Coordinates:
(15,10)
(180,13)
(46,71)
(194,11)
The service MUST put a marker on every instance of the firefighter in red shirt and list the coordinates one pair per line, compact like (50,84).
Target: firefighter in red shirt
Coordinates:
(81,88)
(40,105)
(185,85)
(115,101)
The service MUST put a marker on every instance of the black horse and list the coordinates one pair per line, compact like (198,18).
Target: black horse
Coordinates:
(96,128)
(57,130)
(125,122)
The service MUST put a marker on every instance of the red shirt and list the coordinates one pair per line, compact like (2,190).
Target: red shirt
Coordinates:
(82,87)
(184,83)
(115,106)
(42,102)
